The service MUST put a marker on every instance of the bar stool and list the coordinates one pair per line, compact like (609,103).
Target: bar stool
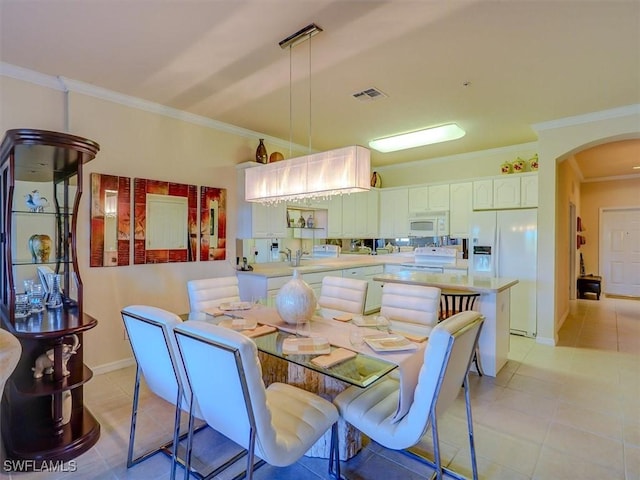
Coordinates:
(456,301)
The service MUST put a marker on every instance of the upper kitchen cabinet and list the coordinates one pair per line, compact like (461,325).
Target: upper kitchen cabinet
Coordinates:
(261,221)
(255,220)
(394,213)
(460,207)
(512,191)
(529,191)
(483,194)
(360,215)
(428,198)
(334,217)
(506,192)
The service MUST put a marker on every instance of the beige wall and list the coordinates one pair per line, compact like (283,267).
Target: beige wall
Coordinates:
(567,193)
(558,141)
(597,195)
(485,163)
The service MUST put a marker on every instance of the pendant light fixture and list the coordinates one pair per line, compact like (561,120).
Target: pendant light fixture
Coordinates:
(323,174)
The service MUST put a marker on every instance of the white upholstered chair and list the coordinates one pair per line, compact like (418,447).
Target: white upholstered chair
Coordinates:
(150,332)
(446,365)
(410,308)
(347,295)
(278,424)
(211,292)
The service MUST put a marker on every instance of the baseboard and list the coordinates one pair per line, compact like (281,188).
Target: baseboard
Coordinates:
(552,342)
(110,367)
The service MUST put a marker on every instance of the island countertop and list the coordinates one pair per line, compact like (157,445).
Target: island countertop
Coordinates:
(451,282)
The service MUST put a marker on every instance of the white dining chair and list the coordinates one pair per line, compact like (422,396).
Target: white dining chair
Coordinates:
(339,294)
(447,358)
(410,308)
(209,293)
(278,424)
(150,333)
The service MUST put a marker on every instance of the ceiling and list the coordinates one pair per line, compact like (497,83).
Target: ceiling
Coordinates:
(494,67)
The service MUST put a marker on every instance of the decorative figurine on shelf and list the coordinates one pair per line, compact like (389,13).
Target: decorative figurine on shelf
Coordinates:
(40,247)
(36,203)
(301,222)
(506,168)
(533,163)
(261,153)
(44,363)
(310,221)
(376,180)
(518,165)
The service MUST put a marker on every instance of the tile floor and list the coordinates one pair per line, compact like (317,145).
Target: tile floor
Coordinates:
(565,412)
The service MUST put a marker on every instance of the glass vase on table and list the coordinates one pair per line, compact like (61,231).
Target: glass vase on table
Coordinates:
(54,295)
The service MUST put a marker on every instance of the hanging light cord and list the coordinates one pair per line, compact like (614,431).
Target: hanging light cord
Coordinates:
(309,41)
(290,103)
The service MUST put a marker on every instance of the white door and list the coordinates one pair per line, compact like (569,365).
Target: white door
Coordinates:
(620,251)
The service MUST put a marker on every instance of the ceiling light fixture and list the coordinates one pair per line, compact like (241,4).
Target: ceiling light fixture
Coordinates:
(334,172)
(419,138)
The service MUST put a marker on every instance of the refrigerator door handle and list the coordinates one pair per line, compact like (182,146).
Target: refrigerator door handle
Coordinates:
(496,254)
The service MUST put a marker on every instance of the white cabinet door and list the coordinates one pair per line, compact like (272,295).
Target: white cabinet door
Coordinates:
(506,192)
(371,226)
(529,191)
(394,213)
(350,215)
(460,206)
(268,221)
(418,199)
(483,194)
(334,217)
(439,197)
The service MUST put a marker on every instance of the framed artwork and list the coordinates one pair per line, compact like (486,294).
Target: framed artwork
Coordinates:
(110,238)
(165,222)
(213,223)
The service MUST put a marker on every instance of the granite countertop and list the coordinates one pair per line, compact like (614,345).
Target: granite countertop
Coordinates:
(453,282)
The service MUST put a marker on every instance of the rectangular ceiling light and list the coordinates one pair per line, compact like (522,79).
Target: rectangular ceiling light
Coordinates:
(419,138)
(317,175)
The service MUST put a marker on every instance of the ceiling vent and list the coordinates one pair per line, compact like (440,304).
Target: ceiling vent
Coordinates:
(369,94)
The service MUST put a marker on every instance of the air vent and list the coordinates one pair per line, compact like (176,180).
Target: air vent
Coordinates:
(369,94)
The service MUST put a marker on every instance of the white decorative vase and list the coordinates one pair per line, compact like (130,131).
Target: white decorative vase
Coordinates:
(296,301)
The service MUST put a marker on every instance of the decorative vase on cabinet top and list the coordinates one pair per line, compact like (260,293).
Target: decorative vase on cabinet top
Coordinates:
(296,301)
(261,153)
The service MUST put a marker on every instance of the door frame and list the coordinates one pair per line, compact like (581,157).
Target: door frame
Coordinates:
(573,251)
(601,234)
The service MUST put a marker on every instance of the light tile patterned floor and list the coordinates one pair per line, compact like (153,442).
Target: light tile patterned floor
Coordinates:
(565,412)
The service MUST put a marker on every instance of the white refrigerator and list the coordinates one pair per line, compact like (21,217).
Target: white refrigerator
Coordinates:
(503,243)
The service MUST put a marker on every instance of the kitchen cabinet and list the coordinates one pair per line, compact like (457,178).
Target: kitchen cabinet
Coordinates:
(268,221)
(428,198)
(394,213)
(334,217)
(44,419)
(318,229)
(460,207)
(360,215)
(529,191)
(506,192)
(374,288)
(483,194)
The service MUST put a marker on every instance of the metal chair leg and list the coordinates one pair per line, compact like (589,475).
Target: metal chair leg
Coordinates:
(472,445)
(334,453)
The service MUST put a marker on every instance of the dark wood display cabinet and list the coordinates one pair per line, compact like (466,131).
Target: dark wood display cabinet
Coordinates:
(44,419)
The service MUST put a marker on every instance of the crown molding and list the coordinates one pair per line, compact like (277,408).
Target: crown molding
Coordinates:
(65,84)
(614,178)
(588,118)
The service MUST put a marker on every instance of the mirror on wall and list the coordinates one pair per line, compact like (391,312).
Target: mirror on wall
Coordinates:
(110,220)
(213,223)
(165,219)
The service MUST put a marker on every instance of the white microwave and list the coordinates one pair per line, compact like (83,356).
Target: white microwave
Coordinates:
(435,225)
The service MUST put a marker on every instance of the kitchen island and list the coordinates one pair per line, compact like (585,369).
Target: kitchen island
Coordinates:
(265,280)
(494,304)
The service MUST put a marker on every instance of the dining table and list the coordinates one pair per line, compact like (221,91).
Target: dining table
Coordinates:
(326,360)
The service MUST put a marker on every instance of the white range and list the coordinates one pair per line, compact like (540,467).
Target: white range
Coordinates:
(434,259)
